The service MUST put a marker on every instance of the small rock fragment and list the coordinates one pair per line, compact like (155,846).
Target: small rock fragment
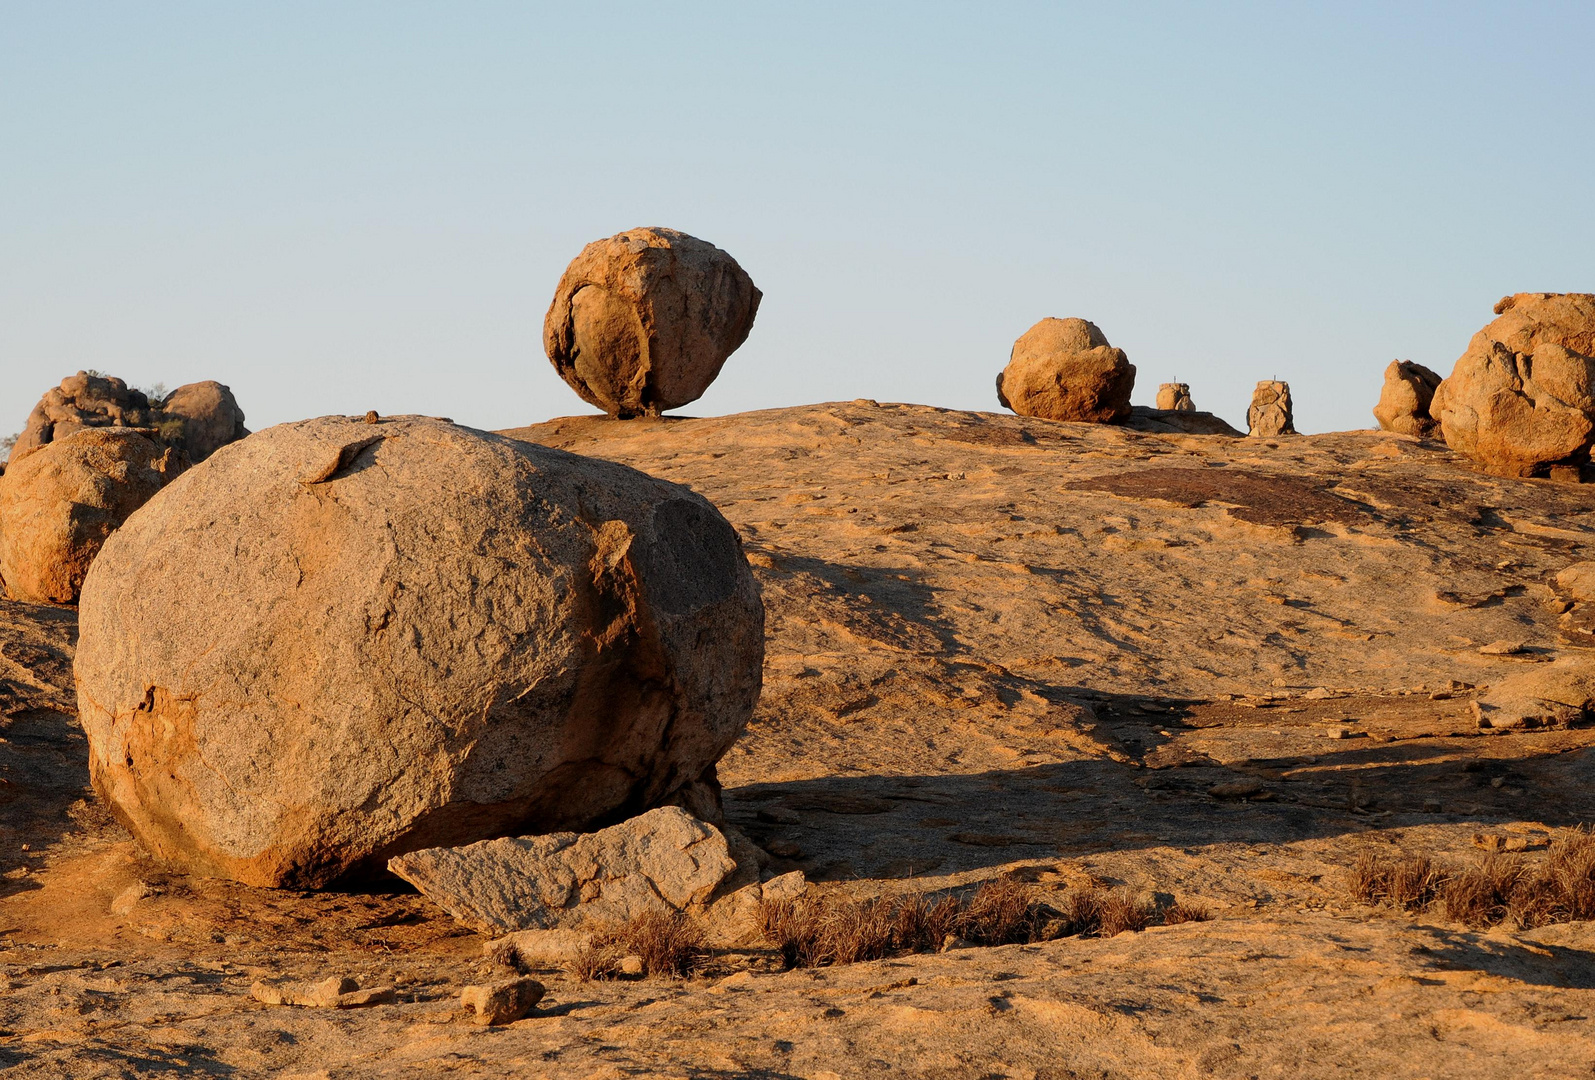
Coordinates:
(785,886)
(1502,648)
(501,1002)
(336,992)
(631,965)
(1235,789)
(129,897)
(529,949)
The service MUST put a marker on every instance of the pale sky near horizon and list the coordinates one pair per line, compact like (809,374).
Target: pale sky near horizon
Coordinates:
(335,207)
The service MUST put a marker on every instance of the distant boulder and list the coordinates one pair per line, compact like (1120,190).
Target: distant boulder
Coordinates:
(82,401)
(1270,412)
(643,321)
(1519,401)
(342,640)
(198,418)
(202,418)
(1404,402)
(1064,369)
(60,501)
(1175,397)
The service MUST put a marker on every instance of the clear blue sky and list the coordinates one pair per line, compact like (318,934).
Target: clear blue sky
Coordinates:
(336,207)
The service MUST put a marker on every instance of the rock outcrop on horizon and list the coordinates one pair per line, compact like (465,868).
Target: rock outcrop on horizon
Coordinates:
(1405,398)
(643,321)
(1175,397)
(201,418)
(1519,400)
(198,418)
(59,501)
(82,401)
(345,640)
(1064,369)
(1270,412)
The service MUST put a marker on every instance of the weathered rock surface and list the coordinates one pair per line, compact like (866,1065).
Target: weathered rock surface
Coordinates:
(1171,421)
(1552,695)
(82,401)
(1519,401)
(644,320)
(335,992)
(529,950)
(60,500)
(1404,401)
(340,641)
(1175,397)
(1270,411)
(664,860)
(201,418)
(1064,369)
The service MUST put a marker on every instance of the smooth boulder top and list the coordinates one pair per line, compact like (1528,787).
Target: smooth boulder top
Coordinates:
(1519,401)
(643,321)
(202,418)
(1064,369)
(60,501)
(336,641)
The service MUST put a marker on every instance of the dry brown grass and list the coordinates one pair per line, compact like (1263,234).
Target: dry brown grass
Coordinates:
(670,945)
(1185,911)
(816,930)
(1561,888)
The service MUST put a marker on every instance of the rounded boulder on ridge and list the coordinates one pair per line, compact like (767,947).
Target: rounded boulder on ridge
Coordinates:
(60,501)
(644,320)
(1521,399)
(337,641)
(1064,369)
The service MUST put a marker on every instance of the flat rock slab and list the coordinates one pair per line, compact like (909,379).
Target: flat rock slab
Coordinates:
(664,860)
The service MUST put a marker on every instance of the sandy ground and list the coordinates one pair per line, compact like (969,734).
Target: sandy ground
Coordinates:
(996,646)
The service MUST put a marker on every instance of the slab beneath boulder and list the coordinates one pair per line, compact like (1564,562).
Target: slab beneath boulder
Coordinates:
(664,860)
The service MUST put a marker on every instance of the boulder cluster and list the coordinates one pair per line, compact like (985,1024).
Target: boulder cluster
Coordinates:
(1064,369)
(1521,399)
(92,452)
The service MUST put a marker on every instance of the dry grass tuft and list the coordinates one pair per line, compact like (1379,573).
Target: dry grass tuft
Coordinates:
(816,930)
(669,944)
(1185,911)
(1497,888)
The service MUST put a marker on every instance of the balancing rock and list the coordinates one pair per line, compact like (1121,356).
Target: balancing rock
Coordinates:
(342,640)
(1064,369)
(1519,401)
(643,321)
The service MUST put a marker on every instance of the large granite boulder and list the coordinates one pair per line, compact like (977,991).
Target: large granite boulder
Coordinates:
(82,401)
(60,501)
(1519,401)
(643,321)
(201,418)
(337,641)
(1064,369)
(1405,399)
